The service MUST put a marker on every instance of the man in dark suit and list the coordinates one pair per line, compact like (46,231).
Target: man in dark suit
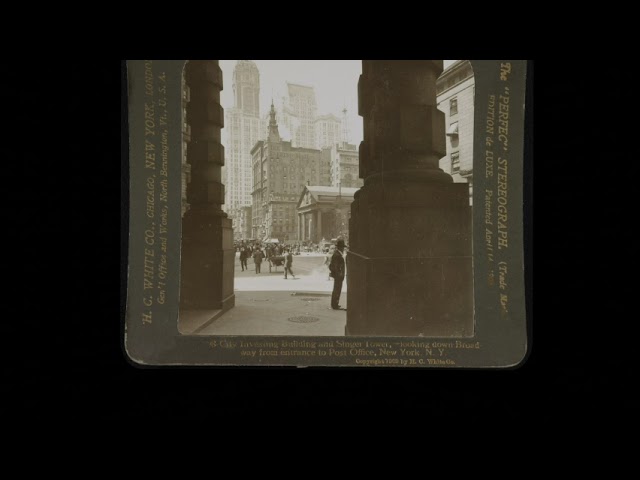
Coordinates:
(289,261)
(257,259)
(244,253)
(337,269)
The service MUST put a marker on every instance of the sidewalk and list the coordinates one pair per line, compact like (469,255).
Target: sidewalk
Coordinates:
(280,313)
(316,281)
(269,304)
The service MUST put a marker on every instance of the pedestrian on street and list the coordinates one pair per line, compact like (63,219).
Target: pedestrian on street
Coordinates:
(243,258)
(289,261)
(257,259)
(337,268)
(327,262)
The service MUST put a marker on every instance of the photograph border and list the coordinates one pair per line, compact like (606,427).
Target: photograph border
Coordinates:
(150,331)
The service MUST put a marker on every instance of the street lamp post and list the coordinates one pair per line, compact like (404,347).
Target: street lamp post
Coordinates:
(338,211)
(340,205)
(285,179)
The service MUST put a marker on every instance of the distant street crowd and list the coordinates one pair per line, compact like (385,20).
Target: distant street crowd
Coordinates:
(279,248)
(277,254)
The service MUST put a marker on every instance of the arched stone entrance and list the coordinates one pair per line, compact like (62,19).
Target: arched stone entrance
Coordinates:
(207,253)
(409,264)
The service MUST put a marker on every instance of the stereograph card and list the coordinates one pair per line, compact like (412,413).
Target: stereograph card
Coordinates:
(326,213)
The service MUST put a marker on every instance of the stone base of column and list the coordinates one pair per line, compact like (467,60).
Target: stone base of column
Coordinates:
(409,297)
(207,262)
(409,270)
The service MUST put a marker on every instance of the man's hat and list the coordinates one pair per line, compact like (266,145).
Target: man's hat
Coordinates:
(340,242)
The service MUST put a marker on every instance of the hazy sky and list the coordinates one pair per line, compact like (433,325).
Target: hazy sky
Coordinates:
(335,82)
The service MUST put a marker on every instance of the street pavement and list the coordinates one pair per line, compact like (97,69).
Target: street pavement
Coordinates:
(267,304)
(311,276)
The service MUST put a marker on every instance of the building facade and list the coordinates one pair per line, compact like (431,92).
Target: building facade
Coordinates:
(345,165)
(243,128)
(323,213)
(244,223)
(298,115)
(280,173)
(328,131)
(246,88)
(455,96)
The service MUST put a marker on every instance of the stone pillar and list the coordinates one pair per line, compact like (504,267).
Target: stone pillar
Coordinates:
(409,263)
(207,261)
(303,222)
(300,227)
(319,225)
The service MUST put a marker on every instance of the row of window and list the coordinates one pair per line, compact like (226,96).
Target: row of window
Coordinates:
(455,162)
(453,106)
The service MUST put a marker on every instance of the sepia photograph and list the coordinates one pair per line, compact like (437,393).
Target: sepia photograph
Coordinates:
(326,213)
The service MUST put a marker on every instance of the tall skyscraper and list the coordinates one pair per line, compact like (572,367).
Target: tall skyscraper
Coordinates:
(242,129)
(299,121)
(299,115)
(246,87)
(328,130)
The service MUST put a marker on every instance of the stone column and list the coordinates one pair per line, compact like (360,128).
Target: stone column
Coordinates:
(207,261)
(409,263)
(319,213)
(300,227)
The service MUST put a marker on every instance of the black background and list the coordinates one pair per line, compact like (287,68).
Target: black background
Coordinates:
(66,298)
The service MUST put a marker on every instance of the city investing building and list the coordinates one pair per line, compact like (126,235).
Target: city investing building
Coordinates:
(243,128)
(298,115)
(280,173)
(455,96)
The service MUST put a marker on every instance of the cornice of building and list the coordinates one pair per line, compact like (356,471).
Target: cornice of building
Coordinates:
(451,71)
(347,148)
(302,149)
(455,89)
(300,85)
(454,67)
(328,116)
(258,144)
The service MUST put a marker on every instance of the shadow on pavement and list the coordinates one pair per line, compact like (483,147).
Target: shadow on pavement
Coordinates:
(278,313)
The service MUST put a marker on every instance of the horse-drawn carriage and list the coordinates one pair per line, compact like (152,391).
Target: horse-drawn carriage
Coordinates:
(272,256)
(276,261)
